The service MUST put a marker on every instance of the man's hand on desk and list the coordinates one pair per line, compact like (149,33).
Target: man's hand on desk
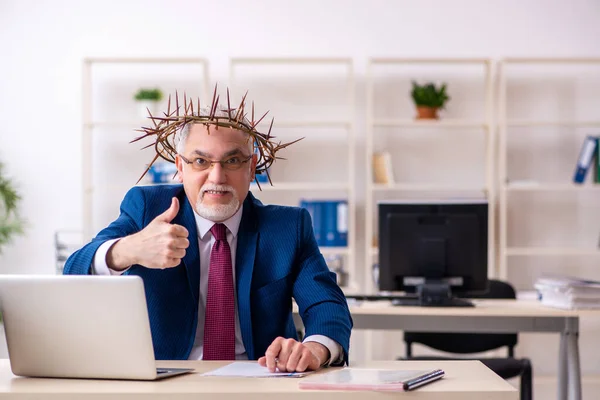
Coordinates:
(289,355)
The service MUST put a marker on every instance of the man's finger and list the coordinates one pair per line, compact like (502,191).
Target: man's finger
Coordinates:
(171,212)
(181,243)
(307,361)
(179,231)
(272,353)
(294,358)
(287,348)
(178,253)
(173,262)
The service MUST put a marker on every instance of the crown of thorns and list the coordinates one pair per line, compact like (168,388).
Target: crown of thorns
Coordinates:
(165,127)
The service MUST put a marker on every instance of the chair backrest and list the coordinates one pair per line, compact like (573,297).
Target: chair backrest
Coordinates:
(464,343)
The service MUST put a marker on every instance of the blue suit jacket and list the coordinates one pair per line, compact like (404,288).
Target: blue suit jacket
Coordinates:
(277,258)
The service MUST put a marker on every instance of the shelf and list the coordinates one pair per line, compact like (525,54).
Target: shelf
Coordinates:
(551,251)
(295,186)
(513,72)
(151,60)
(312,124)
(335,129)
(442,123)
(536,251)
(327,251)
(429,60)
(575,60)
(295,60)
(416,187)
(532,123)
(350,289)
(117,124)
(536,186)
(276,124)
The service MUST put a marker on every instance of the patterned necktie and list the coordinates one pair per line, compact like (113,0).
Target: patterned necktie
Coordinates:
(219,323)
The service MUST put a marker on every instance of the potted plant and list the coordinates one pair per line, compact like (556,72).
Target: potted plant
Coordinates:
(147,100)
(429,99)
(10,223)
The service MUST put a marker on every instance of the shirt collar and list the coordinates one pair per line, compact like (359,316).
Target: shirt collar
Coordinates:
(203,225)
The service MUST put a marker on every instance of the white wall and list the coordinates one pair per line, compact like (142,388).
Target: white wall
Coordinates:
(42,45)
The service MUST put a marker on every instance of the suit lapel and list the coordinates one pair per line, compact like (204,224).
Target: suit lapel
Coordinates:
(244,267)
(191,259)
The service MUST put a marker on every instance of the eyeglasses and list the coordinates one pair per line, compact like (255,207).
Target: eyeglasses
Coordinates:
(232,163)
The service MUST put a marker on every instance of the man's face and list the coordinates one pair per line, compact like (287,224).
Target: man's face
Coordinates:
(216,193)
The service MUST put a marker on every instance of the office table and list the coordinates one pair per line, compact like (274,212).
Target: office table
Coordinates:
(491,316)
(464,380)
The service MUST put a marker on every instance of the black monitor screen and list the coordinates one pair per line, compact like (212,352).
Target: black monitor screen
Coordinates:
(433,242)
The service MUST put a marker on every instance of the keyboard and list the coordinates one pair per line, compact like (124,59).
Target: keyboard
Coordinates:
(412,300)
(377,297)
(161,371)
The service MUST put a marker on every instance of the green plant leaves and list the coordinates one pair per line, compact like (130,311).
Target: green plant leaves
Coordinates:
(10,223)
(428,95)
(149,94)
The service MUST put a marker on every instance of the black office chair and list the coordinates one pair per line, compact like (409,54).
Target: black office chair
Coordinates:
(465,343)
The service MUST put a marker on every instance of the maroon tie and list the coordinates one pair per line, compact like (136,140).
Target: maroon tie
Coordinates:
(219,323)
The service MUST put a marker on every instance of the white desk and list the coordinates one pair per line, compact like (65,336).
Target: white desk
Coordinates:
(464,380)
(491,316)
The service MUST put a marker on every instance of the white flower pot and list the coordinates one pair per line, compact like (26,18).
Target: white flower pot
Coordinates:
(145,105)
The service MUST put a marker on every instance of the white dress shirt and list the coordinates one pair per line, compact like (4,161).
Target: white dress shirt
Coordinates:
(205,243)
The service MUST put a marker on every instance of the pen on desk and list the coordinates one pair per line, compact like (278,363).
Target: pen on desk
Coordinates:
(423,379)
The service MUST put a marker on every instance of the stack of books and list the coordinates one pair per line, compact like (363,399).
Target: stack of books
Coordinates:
(568,293)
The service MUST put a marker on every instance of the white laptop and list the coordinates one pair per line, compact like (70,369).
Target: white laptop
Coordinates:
(78,326)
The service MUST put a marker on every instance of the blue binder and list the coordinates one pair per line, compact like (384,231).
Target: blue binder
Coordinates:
(314,209)
(342,224)
(262,178)
(330,223)
(335,220)
(586,156)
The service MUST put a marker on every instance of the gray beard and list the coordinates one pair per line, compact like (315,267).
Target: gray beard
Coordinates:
(217,212)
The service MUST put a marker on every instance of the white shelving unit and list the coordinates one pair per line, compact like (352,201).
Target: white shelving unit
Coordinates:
(549,186)
(545,108)
(107,106)
(284,90)
(480,124)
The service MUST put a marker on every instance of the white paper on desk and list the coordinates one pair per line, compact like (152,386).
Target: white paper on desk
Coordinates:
(251,370)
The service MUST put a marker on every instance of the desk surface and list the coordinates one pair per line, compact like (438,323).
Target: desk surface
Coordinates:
(492,316)
(464,380)
(487,308)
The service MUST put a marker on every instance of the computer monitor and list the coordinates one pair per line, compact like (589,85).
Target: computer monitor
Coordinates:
(434,248)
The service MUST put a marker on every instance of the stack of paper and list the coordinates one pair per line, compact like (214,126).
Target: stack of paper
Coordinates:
(249,369)
(568,292)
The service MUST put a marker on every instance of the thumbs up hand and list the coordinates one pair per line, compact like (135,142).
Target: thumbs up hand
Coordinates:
(171,212)
(159,245)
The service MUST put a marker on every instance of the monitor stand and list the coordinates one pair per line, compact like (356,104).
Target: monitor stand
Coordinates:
(433,295)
